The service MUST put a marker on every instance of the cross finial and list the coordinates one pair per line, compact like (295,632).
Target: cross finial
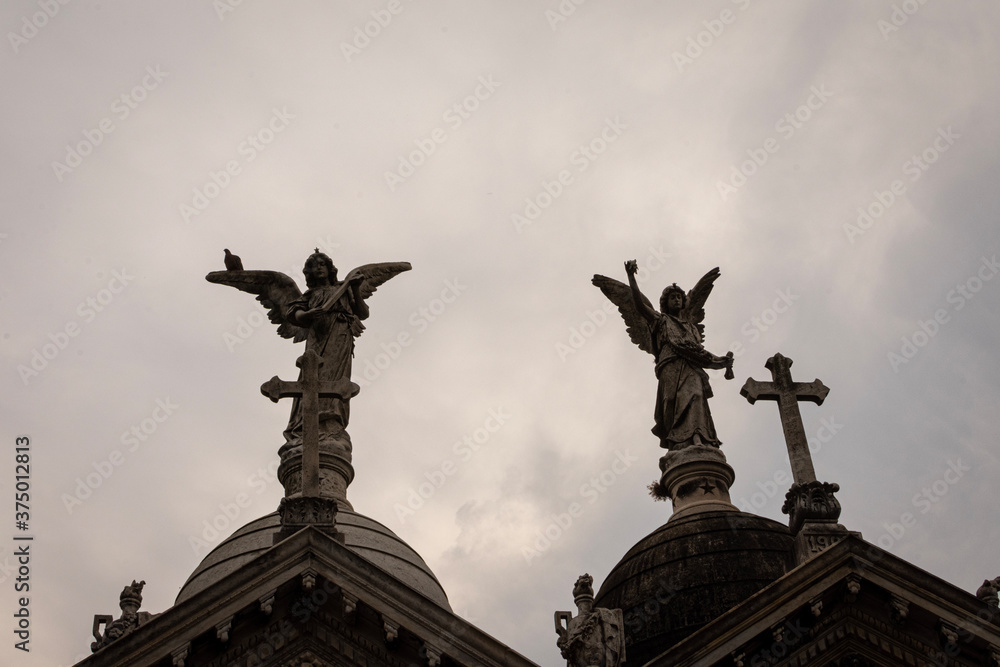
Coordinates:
(310,389)
(309,507)
(788,394)
(808,499)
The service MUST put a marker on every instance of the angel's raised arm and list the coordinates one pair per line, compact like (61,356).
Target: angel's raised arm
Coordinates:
(640,327)
(642,305)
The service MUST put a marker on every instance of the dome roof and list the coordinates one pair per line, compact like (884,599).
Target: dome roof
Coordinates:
(365,537)
(690,571)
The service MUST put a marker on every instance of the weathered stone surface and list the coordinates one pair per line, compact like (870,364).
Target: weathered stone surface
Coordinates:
(808,500)
(688,572)
(362,535)
(131,618)
(812,501)
(309,389)
(788,394)
(593,636)
(851,599)
(696,479)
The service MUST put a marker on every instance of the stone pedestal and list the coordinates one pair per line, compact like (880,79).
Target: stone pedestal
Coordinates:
(697,479)
(813,511)
(811,501)
(815,537)
(335,471)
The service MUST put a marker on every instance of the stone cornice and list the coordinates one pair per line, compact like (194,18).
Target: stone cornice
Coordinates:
(311,553)
(802,586)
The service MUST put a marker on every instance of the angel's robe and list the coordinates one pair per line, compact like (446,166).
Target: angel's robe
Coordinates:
(331,336)
(683,389)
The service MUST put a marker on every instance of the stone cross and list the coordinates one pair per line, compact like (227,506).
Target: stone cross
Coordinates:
(788,394)
(309,389)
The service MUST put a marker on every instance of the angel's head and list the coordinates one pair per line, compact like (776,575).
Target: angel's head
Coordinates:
(319,270)
(673,300)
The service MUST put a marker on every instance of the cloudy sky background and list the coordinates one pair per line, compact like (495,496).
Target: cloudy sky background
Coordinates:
(526,334)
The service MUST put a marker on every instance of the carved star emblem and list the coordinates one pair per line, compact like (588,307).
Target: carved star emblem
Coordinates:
(707,487)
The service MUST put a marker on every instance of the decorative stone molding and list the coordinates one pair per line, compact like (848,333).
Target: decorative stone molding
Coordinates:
(899,609)
(816,607)
(811,501)
(267,603)
(852,660)
(335,469)
(853,587)
(433,655)
(696,479)
(391,630)
(308,581)
(949,632)
(350,604)
(778,632)
(180,654)
(309,511)
(223,628)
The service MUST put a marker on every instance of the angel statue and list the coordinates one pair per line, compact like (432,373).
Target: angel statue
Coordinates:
(327,317)
(674,336)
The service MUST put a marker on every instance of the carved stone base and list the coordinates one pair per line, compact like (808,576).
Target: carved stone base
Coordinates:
(815,537)
(697,479)
(298,512)
(335,470)
(812,501)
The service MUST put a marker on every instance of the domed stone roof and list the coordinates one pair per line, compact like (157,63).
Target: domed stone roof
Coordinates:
(690,571)
(365,537)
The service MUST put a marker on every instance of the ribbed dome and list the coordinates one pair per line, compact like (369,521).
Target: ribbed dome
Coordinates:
(690,571)
(365,537)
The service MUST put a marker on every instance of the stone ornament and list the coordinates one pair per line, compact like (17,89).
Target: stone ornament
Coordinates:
(308,510)
(675,336)
(899,609)
(812,501)
(808,500)
(594,637)
(988,592)
(130,600)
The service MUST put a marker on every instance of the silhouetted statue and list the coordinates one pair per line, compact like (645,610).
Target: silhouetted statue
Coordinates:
(594,637)
(674,335)
(327,317)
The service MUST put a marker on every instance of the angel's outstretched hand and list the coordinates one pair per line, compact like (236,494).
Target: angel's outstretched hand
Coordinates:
(631,267)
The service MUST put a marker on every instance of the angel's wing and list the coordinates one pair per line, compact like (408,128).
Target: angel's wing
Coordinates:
(621,295)
(274,290)
(694,311)
(376,274)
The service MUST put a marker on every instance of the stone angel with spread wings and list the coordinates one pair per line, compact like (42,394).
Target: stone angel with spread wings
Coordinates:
(675,336)
(327,317)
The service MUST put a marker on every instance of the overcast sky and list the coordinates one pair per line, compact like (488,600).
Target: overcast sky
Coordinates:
(838,161)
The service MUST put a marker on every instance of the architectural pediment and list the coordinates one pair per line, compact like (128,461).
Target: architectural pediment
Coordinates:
(852,603)
(309,595)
